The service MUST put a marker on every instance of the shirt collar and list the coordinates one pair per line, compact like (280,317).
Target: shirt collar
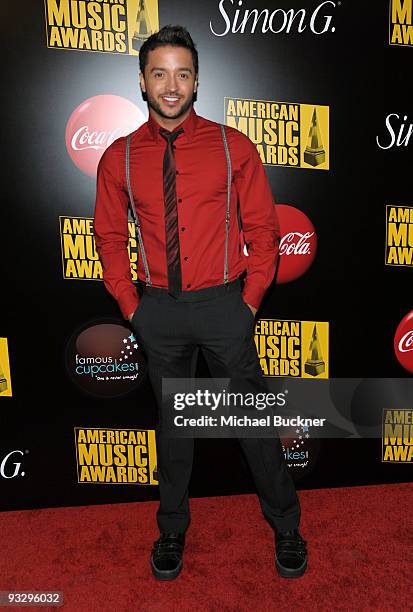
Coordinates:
(188,125)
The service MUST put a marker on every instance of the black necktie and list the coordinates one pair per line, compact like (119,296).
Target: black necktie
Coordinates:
(171,214)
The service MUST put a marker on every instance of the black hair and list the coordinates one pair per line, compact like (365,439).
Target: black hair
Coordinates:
(177,36)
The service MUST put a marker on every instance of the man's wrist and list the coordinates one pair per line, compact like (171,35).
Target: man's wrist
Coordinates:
(253,296)
(128,303)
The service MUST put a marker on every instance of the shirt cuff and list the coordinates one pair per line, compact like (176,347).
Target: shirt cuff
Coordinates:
(253,295)
(128,302)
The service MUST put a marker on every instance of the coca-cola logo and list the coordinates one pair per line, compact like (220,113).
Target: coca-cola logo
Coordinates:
(95,124)
(10,466)
(403,342)
(406,342)
(298,243)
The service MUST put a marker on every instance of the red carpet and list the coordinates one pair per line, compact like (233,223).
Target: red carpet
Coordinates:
(360,555)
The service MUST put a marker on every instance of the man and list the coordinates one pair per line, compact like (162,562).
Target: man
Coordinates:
(189,275)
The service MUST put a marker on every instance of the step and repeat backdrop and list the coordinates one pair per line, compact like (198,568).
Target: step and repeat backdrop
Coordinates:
(322,90)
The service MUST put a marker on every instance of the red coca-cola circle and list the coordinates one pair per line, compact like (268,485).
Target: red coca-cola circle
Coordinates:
(403,342)
(95,124)
(298,243)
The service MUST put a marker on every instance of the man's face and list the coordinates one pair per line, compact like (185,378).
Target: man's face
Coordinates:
(169,81)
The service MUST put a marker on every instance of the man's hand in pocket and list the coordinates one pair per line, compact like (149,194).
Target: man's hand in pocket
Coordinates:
(253,310)
(133,314)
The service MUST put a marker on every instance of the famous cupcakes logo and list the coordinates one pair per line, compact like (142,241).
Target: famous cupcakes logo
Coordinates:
(300,450)
(105,359)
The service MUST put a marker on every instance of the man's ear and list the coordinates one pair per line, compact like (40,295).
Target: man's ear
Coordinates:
(142,82)
(142,87)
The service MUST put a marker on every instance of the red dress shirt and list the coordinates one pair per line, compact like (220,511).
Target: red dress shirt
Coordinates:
(201,191)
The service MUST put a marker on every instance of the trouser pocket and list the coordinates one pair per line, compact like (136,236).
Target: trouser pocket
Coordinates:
(138,311)
(247,308)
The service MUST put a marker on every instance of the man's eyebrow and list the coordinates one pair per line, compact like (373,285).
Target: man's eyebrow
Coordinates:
(180,69)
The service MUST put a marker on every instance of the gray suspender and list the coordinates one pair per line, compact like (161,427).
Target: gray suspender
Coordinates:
(138,227)
(224,138)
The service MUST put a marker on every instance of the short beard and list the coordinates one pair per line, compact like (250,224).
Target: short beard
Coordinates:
(155,106)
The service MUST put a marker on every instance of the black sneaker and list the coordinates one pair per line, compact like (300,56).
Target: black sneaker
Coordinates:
(290,554)
(166,557)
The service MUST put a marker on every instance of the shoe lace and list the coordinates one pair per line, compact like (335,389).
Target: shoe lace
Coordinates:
(167,547)
(291,547)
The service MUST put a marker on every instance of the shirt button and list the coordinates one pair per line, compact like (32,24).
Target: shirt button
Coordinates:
(186,258)
(188,285)
(180,200)
(177,172)
(182,229)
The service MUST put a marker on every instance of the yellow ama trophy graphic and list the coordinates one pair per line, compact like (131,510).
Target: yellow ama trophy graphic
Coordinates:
(315,364)
(289,134)
(5,379)
(115,26)
(143,27)
(314,153)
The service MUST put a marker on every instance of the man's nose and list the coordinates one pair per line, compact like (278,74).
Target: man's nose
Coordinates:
(172,82)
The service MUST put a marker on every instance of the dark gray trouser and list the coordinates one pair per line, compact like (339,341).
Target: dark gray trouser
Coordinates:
(170,330)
